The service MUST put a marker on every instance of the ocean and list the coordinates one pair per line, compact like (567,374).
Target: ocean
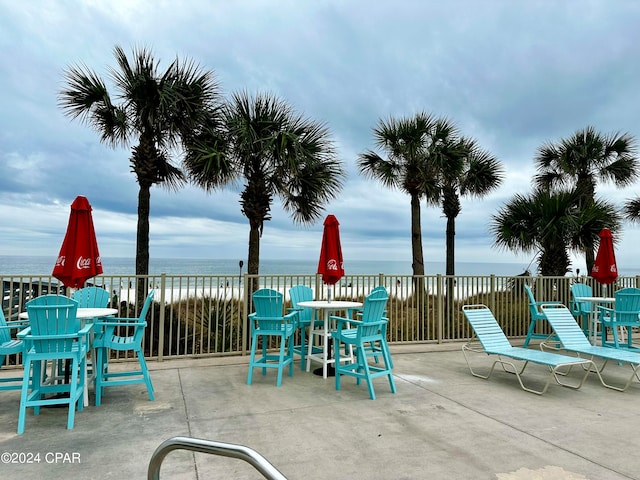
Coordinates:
(42,265)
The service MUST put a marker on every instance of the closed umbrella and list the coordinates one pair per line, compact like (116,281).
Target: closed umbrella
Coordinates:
(330,264)
(79,259)
(605,269)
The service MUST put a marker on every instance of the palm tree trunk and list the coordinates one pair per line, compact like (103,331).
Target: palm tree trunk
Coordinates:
(142,244)
(451,246)
(253,259)
(590,259)
(416,237)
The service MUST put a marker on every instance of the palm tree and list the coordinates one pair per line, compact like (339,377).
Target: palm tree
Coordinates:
(276,152)
(631,210)
(550,224)
(158,110)
(407,167)
(461,168)
(583,160)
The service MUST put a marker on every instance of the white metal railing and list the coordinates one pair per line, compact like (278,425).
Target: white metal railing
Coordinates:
(207,315)
(231,450)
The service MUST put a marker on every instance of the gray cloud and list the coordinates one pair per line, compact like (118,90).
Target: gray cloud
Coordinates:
(511,74)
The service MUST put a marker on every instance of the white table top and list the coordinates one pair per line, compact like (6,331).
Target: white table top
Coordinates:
(85,313)
(596,299)
(332,305)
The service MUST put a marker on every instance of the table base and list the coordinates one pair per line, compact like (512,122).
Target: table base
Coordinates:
(331,371)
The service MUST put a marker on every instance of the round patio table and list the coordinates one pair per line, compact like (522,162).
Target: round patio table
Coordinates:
(325,357)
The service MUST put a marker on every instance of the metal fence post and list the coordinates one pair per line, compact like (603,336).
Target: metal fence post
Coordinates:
(163,284)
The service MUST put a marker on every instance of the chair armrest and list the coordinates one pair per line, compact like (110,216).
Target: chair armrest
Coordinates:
(613,317)
(292,317)
(86,329)
(552,302)
(604,310)
(23,333)
(15,324)
(341,321)
(120,322)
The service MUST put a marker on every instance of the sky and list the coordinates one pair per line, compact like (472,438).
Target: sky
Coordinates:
(513,75)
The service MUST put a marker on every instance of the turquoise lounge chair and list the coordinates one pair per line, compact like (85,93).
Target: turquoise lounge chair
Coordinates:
(494,342)
(572,339)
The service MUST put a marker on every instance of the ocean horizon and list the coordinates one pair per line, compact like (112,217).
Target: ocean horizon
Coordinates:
(43,265)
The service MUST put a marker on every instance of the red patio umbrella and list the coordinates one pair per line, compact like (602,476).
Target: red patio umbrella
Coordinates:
(605,269)
(330,265)
(79,258)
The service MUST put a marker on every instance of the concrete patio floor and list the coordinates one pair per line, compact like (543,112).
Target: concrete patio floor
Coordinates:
(442,423)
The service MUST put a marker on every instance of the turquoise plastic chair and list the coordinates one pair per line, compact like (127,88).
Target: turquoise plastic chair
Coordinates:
(268,321)
(9,345)
(623,316)
(373,349)
(302,293)
(582,310)
(53,334)
(111,338)
(91,297)
(536,316)
(369,330)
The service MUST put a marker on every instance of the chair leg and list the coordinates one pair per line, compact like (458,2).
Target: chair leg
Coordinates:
(252,359)
(145,374)
(336,349)
(74,394)
(389,365)
(290,354)
(280,361)
(22,413)
(303,346)
(366,372)
(532,326)
(614,331)
(264,352)
(99,368)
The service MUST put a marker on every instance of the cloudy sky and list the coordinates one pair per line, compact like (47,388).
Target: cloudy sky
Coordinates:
(511,74)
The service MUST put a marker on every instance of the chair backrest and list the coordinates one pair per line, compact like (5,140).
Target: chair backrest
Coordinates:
(302,293)
(533,305)
(627,305)
(565,327)
(52,316)
(582,290)
(4,332)
(5,336)
(486,328)
(268,308)
(374,305)
(91,297)
(139,332)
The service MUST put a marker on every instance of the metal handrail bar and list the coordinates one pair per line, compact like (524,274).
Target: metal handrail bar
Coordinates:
(241,452)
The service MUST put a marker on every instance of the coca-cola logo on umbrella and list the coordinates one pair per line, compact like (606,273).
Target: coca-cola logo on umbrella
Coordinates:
(80,244)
